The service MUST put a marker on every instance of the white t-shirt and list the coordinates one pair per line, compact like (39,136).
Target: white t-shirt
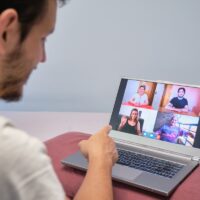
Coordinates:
(140,99)
(26,172)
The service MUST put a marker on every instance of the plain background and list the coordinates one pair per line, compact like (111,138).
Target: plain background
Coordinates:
(97,42)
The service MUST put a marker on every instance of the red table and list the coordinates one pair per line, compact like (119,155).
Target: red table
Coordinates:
(71,179)
(132,104)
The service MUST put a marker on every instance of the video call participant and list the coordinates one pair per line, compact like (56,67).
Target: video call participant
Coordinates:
(130,124)
(140,98)
(26,172)
(179,103)
(170,132)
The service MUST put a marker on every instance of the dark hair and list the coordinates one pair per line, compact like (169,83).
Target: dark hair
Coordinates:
(143,86)
(29,12)
(134,109)
(181,88)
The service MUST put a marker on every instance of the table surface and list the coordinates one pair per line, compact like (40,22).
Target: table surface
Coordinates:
(46,125)
(188,190)
(190,113)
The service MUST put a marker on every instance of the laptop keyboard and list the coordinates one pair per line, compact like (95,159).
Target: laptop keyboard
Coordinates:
(148,163)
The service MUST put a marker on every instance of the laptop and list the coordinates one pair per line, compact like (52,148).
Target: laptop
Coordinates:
(157,133)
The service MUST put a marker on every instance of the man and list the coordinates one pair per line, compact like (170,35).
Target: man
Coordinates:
(25,170)
(140,98)
(179,103)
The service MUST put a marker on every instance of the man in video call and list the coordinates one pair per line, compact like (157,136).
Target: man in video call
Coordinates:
(179,103)
(26,172)
(140,98)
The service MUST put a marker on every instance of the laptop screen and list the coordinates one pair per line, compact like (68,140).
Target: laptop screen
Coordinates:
(157,110)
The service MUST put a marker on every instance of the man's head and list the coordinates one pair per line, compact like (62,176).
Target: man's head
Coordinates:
(181,92)
(141,90)
(24,27)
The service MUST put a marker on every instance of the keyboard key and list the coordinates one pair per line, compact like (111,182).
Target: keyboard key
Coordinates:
(148,163)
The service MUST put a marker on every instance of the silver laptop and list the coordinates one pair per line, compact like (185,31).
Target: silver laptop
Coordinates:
(157,131)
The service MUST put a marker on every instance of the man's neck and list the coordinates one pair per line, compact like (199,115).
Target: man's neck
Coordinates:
(180,98)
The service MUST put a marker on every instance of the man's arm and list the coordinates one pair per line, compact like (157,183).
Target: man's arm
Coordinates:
(169,106)
(132,100)
(101,153)
(185,109)
(146,101)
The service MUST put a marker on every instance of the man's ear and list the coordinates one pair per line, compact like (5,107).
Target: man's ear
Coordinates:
(9,31)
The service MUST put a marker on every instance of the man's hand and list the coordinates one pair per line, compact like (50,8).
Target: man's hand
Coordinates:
(100,148)
(101,153)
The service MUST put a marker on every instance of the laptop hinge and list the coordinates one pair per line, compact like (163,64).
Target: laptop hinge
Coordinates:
(161,151)
(196,158)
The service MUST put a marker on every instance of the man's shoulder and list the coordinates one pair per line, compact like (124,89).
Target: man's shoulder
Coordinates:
(136,95)
(145,95)
(4,122)
(16,137)
(21,153)
(18,146)
(25,166)
(174,98)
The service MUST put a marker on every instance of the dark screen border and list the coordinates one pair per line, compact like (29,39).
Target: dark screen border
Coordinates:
(115,113)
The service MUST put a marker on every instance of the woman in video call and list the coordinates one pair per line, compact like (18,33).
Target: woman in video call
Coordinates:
(130,124)
(170,132)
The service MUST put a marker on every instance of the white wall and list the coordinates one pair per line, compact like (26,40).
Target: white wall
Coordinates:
(99,41)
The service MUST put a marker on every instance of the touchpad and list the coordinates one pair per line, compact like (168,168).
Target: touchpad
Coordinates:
(124,172)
